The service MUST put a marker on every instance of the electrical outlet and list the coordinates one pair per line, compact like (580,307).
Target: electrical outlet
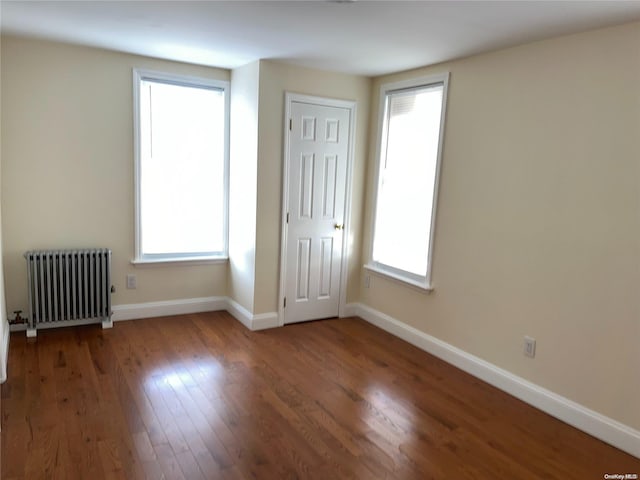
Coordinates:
(367,281)
(529,346)
(131,281)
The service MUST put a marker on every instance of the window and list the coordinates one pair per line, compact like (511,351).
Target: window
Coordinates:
(410,134)
(181,136)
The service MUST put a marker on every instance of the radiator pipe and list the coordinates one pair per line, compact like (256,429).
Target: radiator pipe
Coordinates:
(18,319)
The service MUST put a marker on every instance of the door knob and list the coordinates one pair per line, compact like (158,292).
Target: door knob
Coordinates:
(338,226)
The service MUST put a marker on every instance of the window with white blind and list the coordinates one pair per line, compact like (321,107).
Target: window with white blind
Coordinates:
(410,146)
(181,135)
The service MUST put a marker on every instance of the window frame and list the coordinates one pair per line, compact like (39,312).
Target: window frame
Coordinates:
(387,89)
(140,74)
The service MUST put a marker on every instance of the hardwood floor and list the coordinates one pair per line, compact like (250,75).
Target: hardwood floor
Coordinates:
(200,397)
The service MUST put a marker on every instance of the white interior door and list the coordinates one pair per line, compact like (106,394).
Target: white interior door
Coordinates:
(318,155)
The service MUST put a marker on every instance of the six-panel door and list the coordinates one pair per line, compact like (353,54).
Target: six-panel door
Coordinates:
(318,145)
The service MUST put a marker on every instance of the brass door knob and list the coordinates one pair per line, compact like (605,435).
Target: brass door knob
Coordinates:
(338,226)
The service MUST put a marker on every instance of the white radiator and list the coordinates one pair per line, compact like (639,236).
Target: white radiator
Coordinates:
(68,287)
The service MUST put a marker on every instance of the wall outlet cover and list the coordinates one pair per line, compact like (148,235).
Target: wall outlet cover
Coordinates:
(529,346)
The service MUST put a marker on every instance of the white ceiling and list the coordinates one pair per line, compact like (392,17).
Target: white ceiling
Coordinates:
(359,37)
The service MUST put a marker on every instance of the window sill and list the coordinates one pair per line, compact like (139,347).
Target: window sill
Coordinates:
(425,287)
(159,262)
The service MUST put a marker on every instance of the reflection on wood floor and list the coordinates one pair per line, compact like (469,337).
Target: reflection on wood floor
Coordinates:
(200,397)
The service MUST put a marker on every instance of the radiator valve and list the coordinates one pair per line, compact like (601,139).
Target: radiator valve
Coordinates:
(18,319)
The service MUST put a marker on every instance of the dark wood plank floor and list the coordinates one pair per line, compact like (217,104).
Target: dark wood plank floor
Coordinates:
(200,397)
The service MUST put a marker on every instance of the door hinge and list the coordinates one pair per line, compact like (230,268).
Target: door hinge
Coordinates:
(290,124)
(285,303)
(287,217)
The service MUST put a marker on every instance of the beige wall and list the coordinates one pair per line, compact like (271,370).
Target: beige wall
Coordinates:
(276,79)
(243,184)
(67,161)
(538,228)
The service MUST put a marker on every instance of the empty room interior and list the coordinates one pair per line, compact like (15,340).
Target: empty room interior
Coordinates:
(320,239)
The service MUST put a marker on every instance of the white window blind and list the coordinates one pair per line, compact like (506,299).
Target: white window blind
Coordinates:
(182,169)
(410,140)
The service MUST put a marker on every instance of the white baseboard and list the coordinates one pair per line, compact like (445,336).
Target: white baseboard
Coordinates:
(252,322)
(195,305)
(5,352)
(349,310)
(263,321)
(604,428)
(169,307)
(32,332)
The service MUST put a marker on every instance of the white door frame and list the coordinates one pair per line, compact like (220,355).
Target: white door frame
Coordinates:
(326,102)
